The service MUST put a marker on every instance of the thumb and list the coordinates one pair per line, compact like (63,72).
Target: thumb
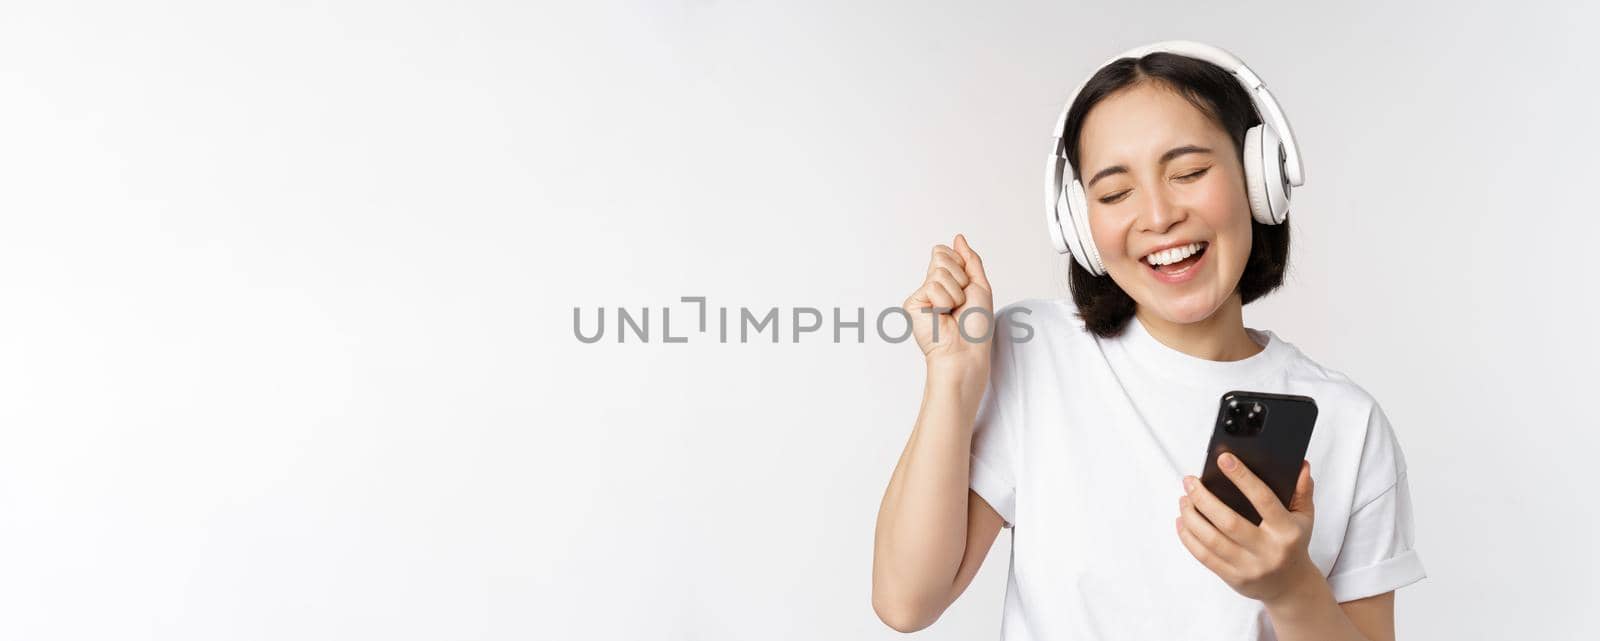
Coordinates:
(1304,488)
(974,264)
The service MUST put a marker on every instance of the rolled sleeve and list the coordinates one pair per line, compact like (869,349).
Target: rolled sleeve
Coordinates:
(996,489)
(1377,553)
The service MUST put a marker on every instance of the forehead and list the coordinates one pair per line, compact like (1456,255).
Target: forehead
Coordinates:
(1137,124)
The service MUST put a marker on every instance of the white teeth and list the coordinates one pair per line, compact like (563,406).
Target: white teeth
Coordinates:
(1170,256)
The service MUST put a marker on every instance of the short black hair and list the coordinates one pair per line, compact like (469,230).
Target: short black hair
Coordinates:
(1103,306)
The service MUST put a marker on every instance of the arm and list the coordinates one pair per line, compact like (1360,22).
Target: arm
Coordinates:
(1309,612)
(1373,616)
(933,532)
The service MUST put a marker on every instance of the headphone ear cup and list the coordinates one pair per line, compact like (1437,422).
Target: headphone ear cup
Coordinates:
(1053,202)
(1083,248)
(1263,175)
(1058,238)
(1272,174)
(1067,228)
(1260,209)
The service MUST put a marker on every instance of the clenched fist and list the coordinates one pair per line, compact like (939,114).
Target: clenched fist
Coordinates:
(959,292)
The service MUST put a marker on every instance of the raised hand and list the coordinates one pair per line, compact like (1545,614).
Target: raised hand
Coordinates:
(958,329)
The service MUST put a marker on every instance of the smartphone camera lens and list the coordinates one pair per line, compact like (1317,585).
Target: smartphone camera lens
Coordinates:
(1245,417)
(1256,418)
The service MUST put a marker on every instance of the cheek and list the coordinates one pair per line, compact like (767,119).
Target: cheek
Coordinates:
(1228,213)
(1220,203)
(1109,232)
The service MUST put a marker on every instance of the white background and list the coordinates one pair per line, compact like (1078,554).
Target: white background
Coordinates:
(286,345)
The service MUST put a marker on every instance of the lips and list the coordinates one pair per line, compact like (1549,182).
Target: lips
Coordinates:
(1174,252)
(1181,269)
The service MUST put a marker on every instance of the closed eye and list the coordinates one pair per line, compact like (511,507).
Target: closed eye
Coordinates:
(1111,198)
(1189,177)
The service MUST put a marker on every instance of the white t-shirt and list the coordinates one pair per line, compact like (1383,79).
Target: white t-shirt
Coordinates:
(1081,444)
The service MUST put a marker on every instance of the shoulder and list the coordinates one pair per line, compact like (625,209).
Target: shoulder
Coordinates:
(1334,385)
(1032,321)
(1038,341)
(1345,408)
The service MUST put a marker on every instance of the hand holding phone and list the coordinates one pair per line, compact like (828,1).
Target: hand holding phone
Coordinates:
(1269,433)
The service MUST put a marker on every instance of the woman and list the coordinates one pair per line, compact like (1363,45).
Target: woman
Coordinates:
(1084,425)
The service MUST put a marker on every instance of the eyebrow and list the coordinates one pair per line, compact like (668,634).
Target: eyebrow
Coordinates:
(1165,158)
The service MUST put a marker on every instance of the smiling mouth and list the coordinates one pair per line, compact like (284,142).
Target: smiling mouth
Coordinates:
(1177,260)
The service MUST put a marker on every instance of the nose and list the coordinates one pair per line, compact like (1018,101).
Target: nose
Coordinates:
(1163,213)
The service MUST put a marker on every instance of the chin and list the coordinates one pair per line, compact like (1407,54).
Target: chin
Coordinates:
(1187,310)
(1184,315)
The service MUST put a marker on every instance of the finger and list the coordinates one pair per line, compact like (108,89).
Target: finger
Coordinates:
(945,250)
(955,270)
(1261,496)
(974,263)
(1203,554)
(948,280)
(960,245)
(916,301)
(1207,533)
(937,295)
(1221,516)
(1304,489)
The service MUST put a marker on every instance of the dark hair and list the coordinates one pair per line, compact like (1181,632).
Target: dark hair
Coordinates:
(1103,306)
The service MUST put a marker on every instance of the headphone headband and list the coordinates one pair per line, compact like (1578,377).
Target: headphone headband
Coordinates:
(1266,105)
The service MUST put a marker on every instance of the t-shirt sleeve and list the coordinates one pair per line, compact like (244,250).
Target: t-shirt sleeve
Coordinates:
(994,432)
(1377,554)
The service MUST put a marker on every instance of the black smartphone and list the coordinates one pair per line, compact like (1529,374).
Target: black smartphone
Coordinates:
(1269,433)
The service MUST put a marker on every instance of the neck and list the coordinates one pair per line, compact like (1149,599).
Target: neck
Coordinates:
(1220,337)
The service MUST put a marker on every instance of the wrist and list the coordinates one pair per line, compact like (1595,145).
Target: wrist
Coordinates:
(967,377)
(1307,593)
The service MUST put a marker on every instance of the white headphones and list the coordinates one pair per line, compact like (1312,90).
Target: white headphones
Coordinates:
(1271,158)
